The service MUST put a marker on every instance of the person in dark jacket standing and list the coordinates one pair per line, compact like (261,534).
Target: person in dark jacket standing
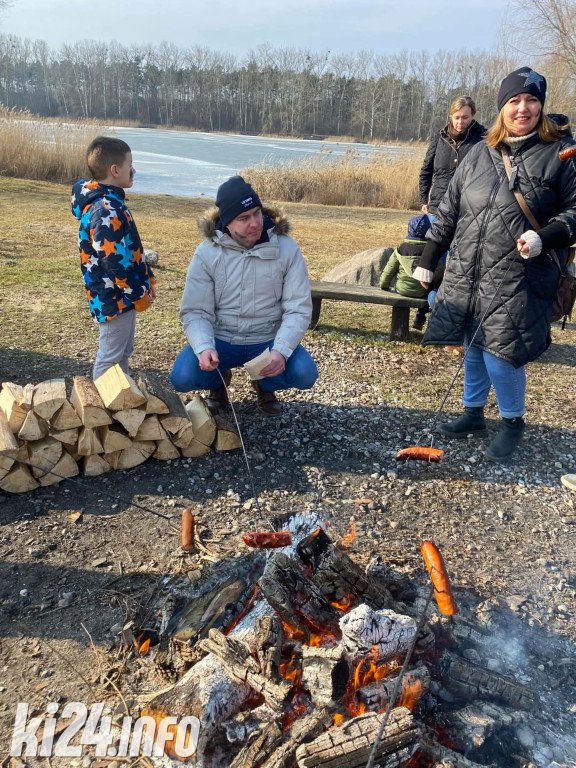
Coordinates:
(447,150)
(501,280)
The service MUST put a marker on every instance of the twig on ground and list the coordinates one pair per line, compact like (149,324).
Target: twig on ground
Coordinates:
(102,675)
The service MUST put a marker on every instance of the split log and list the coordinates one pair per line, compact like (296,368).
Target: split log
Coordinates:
(376,696)
(33,428)
(150,429)
(195,449)
(18,480)
(236,658)
(205,692)
(73,451)
(153,391)
(65,467)
(342,581)
(89,442)
(14,404)
(114,438)
(227,436)
(136,454)
(88,403)
(184,436)
(43,455)
(68,436)
(296,599)
(350,745)
(260,745)
(66,417)
(94,465)
(176,418)
(119,391)
(268,638)
(326,672)
(166,451)
(470,727)
(48,397)
(202,420)
(8,445)
(304,729)
(130,419)
(473,682)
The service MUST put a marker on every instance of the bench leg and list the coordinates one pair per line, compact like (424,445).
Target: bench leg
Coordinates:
(316,307)
(400,323)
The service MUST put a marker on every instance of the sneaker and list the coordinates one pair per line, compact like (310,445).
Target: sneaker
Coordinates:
(267,401)
(217,399)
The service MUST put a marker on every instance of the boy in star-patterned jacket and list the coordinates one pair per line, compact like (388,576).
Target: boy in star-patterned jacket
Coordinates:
(118,280)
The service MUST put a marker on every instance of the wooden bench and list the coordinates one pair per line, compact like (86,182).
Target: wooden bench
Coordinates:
(401,305)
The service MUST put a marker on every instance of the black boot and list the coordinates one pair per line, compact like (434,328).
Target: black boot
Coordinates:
(507,439)
(471,422)
(217,399)
(267,401)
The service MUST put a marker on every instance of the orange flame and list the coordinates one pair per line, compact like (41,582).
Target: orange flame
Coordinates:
(411,693)
(292,671)
(347,540)
(343,605)
(292,633)
(144,648)
(338,720)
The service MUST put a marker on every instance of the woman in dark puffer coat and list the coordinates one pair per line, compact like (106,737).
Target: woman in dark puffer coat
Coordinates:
(501,280)
(447,150)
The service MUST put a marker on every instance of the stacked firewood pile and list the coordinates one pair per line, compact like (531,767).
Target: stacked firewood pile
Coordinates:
(110,423)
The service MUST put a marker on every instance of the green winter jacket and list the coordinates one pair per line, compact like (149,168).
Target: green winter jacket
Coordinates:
(401,264)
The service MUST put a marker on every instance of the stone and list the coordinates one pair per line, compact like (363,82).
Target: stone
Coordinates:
(364,268)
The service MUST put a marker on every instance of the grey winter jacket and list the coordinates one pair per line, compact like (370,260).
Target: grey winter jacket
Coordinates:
(246,296)
(487,282)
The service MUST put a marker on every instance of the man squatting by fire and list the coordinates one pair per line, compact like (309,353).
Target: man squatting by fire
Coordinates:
(247,291)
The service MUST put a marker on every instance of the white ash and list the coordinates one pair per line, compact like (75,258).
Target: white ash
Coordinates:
(363,628)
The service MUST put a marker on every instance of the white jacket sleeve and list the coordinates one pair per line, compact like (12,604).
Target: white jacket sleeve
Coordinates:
(296,304)
(197,310)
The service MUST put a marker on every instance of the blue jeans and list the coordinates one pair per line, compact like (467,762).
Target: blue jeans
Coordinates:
(300,372)
(482,371)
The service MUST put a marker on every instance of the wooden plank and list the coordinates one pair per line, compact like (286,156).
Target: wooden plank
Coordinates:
(364,294)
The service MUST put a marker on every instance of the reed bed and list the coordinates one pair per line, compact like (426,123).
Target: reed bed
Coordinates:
(32,149)
(379,182)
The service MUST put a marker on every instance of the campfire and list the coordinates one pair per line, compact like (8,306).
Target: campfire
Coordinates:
(298,653)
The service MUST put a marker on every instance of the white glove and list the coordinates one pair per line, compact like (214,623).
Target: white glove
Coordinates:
(529,244)
(423,275)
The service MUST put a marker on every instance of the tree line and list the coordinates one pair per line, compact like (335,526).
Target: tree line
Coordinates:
(285,91)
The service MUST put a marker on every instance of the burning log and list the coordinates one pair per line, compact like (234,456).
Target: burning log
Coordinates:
(325,672)
(236,658)
(366,631)
(269,637)
(296,599)
(376,696)
(305,729)
(341,580)
(260,745)
(472,682)
(205,692)
(350,745)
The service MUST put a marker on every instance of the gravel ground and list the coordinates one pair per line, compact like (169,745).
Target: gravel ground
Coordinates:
(506,531)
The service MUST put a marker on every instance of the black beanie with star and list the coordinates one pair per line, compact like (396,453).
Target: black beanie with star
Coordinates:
(523,80)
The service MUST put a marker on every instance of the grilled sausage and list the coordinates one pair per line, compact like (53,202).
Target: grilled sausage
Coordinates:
(439,575)
(420,453)
(266,540)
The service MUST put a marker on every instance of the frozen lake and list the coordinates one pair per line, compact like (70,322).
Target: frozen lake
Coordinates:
(194,164)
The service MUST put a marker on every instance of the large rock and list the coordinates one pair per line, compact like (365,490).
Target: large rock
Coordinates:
(362,269)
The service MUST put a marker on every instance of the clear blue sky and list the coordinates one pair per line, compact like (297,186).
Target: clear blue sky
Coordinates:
(340,26)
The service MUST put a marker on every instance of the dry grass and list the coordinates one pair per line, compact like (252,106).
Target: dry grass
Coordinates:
(379,182)
(35,149)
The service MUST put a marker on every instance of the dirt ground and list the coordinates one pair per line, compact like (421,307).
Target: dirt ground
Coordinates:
(68,586)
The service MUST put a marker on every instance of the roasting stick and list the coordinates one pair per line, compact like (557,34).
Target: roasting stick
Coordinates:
(253,485)
(398,682)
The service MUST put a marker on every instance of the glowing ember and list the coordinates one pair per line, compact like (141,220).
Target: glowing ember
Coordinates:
(411,694)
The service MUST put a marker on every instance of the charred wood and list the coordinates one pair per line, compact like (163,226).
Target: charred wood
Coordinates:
(325,672)
(377,695)
(260,745)
(304,730)
(339,578)
(446,757)
(237,660)
(269,637)
(296,599)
